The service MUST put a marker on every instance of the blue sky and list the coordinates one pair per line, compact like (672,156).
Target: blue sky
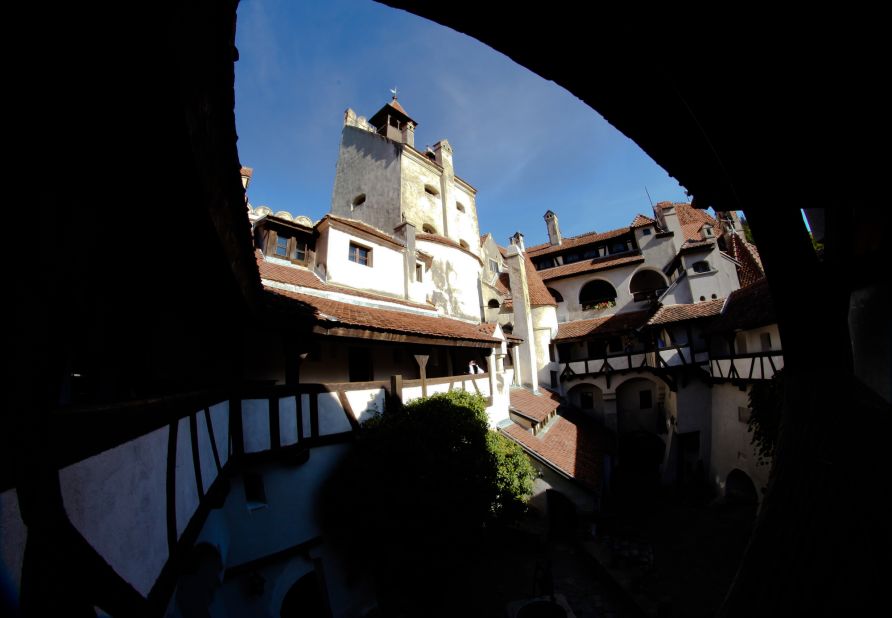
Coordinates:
(526,144)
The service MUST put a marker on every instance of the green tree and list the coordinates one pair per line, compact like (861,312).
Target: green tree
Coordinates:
(415,497)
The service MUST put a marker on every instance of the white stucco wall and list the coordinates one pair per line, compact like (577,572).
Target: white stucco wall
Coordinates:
(289,517)
(570,287)
(454,279)
(117,501)
(545,327)
(385,275)
(630,415)
(420,207)
(255,425)
(732,448)
(718,282)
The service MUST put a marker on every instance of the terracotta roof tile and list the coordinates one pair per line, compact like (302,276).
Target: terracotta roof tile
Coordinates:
(570,443)
(586,266)
(389,320)
(539,294)
(748,307)
(750,268)
(692,220)
(680,313)
(601,326)
(294,275)
(534,406)
(641,221)
(364,227)
(575,241)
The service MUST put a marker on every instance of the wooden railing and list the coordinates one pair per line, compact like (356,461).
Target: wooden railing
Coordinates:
(751,366)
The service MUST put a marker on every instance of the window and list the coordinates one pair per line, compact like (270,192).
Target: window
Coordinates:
(460,206)
(646,231)
(597,294)
(493,304)
(431,190)
(645,399)
(300,250)
(619,247)
(647,285)
(707,231)
(765,339)
(359,200)
(427,228)
(419,272)
(493,265)
(555,295)
(701,267)
(464,244)
(360,255)
(570,258)
(282,246)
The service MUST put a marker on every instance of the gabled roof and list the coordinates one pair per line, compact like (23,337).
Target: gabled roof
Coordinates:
(749,269)
(587,266)
(332,313)
(570,443)
(601,326)
(749,307)
(679,313)
(360,227)
(539,294)
(641,221)
(534,406)
(302,277)
(575,241)
(692,221)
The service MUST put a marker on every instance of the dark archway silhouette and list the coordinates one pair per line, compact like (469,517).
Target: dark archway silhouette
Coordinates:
(305,599)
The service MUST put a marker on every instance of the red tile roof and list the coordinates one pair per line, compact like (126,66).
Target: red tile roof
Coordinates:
(692,220)
(396,105)
(748,307)
(575,241)
(750,268)
(362,227)
(587,266)
(680,313)
(601,326)
(534,406)
(539,294)
(294,275)
(641,221)
(569,443)
(389,320)
(247,171)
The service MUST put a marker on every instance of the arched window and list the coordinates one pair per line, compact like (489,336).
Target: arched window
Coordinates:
(460,206)
(597,294)
(464,244)
(431,190)
(647,285)
(427,228)
(359,200)
(701,267)
(556,295)
(493,304)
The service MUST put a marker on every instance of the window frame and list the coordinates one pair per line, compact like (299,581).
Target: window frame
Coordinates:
(354,251)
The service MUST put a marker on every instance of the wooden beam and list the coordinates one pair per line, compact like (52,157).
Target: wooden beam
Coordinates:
(380,335)
(421,359)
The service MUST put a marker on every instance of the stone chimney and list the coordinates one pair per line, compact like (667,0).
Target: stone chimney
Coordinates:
(554,230)
(523,315)
(517,241)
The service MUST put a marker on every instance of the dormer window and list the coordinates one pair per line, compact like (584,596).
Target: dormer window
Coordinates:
(430,190)
(707,231)
(282,246)
(701,267)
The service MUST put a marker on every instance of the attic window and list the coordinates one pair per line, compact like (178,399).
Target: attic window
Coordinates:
(707,231)
(464,244)
(493,265)
(431,190)
(427,228)
(359,200)
(360,255)
(460,206)
(282,246)
(701,267)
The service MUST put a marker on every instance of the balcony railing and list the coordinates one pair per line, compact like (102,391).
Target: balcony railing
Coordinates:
(752,366)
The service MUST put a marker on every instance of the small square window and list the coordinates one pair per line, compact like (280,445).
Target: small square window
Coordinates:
(419,272)
(493,266)
(646,231)
(300,251)
(765,339)
(360,255)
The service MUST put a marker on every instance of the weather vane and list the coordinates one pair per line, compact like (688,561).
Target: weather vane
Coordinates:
(393,92)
